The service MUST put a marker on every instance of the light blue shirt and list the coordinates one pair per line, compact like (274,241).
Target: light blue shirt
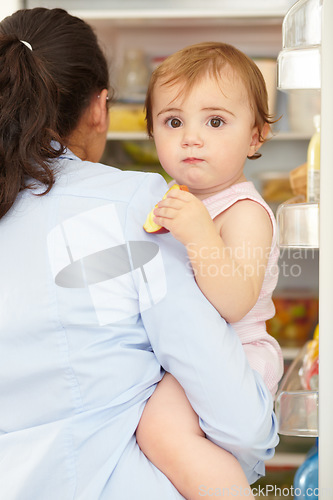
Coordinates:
(91,308)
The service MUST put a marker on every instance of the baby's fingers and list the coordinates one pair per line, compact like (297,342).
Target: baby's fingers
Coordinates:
(174,203)
(165,211)
(179,194)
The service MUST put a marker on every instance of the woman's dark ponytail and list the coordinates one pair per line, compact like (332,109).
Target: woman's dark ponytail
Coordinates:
(28,104)
(43,93)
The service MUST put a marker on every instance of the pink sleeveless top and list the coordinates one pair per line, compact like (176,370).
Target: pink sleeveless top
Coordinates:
(262,350)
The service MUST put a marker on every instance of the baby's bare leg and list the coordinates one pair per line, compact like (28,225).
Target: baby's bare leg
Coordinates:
(169,435)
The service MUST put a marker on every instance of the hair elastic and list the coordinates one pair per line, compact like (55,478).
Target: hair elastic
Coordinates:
(27,44)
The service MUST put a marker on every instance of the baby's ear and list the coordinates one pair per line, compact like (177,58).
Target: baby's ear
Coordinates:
(256,135)
(256,143)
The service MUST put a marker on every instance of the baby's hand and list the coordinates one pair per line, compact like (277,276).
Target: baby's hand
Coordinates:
(185,216)
(150,225)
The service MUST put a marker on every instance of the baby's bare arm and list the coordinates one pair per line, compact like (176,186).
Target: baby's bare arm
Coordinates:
(231,268)
(228,256)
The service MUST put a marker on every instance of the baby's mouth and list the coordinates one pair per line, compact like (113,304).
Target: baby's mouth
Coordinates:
(192,159)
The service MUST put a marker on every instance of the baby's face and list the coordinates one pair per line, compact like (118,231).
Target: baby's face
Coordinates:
(204,137)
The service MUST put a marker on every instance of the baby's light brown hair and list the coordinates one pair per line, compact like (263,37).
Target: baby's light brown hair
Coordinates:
(189,65)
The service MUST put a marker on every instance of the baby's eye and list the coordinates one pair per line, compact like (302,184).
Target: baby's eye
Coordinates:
(215,122)
(174,122)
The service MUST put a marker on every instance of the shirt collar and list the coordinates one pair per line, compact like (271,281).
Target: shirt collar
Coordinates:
(67,154)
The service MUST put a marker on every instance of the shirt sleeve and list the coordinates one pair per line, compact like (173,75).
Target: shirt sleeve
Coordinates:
(193,343)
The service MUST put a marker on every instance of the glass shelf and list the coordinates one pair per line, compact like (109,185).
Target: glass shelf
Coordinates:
(187,8)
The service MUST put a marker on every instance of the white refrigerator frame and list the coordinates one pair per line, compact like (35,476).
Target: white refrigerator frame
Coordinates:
(326,259)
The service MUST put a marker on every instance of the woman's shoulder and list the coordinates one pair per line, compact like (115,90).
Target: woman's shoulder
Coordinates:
(83,178)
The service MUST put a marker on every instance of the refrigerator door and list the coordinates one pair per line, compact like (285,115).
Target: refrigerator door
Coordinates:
(308,29)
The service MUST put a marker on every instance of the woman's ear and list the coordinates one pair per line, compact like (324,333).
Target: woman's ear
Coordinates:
(99,112)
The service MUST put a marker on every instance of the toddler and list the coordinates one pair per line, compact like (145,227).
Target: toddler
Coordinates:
(207,112)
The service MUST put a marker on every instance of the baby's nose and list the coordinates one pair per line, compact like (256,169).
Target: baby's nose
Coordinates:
(191,137)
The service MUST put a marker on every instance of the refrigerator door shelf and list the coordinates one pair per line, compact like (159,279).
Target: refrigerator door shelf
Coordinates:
(302,25)
(298,224)
(297,413)
(299,69)
(297,407)
(299,63)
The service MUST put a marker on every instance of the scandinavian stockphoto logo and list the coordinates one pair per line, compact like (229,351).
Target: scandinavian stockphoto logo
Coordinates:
(89,250)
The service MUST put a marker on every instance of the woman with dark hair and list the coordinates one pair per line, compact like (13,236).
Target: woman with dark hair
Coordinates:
(93,309)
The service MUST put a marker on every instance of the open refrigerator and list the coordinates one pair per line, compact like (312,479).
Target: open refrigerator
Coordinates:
(305,64)
(309,62)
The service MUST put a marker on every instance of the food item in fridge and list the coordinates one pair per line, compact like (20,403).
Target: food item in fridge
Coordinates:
(310,370)
(298,180)
(295,317)
(127,118)
(313,160)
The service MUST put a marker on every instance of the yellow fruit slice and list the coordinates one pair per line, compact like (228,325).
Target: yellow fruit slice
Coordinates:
(150,226)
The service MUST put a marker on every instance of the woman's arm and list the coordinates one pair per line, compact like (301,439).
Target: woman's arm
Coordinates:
(194,344)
